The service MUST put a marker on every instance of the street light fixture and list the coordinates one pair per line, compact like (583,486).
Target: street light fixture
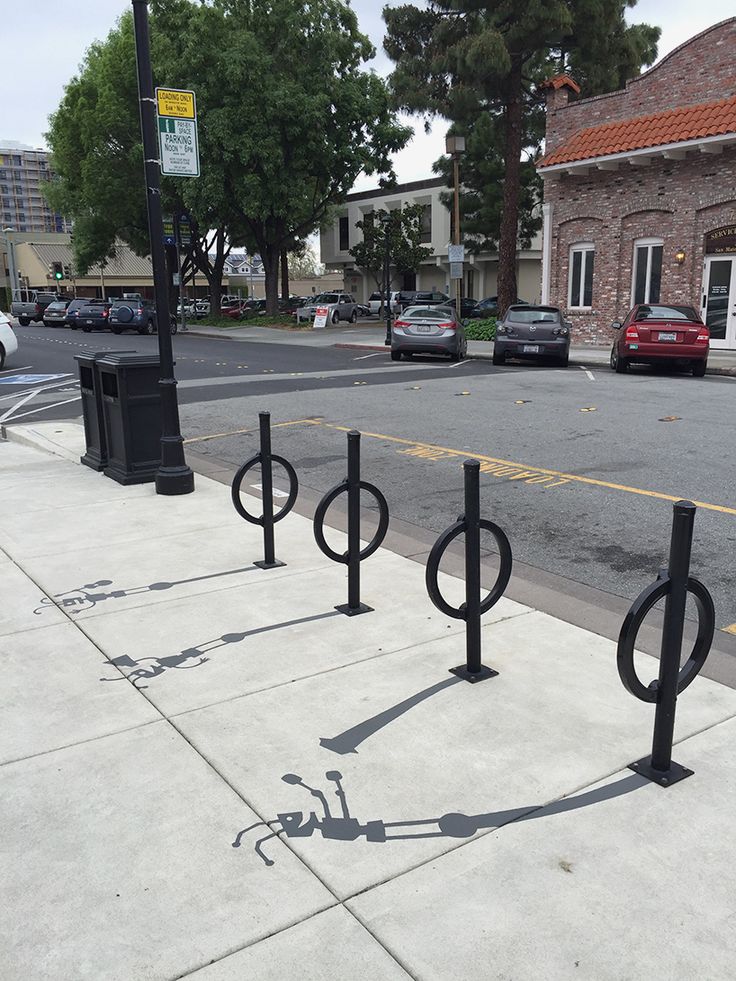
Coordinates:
(455,147)
(385,220)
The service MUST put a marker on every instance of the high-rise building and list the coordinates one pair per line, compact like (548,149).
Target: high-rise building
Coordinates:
(22,205)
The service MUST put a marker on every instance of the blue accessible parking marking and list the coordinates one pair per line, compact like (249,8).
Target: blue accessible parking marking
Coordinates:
(31,379)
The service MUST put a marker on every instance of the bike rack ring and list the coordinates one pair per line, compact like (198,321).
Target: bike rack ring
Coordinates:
(321,511)
(240,476)
(435,557)
(641,606)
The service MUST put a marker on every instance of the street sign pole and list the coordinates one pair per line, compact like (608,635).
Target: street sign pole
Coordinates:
(173,476)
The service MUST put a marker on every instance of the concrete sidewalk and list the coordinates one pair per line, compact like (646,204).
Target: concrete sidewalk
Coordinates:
(208,772)
(369,336)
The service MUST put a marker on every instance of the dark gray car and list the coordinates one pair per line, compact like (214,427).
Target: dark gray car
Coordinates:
(428,330)
(532,332)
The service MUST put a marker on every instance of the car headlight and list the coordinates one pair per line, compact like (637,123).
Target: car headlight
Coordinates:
(500,329)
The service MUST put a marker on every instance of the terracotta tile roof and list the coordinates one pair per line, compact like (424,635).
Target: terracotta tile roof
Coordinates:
(559,81)
(642,132)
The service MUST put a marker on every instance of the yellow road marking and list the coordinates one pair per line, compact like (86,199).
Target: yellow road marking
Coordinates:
(561,475)
(731,629)
(242,432)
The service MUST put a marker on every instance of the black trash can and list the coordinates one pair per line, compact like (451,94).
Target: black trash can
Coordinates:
(131,409)
(95,454)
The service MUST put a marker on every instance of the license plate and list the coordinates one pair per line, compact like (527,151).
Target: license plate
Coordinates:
(667,337)
(89,321)
(531,349)
(424,328)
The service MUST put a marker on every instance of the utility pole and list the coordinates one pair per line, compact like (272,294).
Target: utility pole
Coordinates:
(173,476)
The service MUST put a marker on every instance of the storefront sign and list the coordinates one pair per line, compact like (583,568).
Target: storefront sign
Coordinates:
(721,241)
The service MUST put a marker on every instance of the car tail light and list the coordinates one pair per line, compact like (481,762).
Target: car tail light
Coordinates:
(703,336)
(450,325)
(139,311)
(401,323)
(38,308)
(632,334)
(105,313)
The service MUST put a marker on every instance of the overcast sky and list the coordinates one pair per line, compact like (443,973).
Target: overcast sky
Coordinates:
(43,42)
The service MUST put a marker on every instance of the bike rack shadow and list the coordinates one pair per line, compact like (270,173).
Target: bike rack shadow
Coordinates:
(350,739)
(82,598)
(196,655)
(294,824)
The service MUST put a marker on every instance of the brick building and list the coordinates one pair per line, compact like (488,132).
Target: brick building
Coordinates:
(640,192)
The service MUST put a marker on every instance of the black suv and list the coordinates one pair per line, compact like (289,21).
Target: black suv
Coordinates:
(134,313)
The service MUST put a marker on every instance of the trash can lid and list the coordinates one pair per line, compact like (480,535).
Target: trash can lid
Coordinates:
(128,359)
(98,355)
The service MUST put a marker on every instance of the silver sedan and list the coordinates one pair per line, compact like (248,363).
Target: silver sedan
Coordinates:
(428,330)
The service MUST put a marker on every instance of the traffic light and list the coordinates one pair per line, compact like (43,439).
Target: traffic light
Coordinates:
(67,271)
(57,271)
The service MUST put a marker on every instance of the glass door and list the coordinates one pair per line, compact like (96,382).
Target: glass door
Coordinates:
(719,301)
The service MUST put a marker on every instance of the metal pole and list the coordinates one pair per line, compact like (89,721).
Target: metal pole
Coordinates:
(269,552)
(177,238)
(11,264)
(173,476)
(471,473)
(354,520)
(387,294)
(672,631)
(456,236)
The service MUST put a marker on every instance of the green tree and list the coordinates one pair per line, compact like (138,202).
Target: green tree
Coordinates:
(405,234)
(479,62)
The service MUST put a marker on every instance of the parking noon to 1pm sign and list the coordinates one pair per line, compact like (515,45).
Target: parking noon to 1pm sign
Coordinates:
(177,132)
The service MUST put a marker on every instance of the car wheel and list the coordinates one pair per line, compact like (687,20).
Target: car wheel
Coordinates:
(335,317)
(87,330)
(499,359)
(396,355)
(148,328)
(620,365)
(175,326)
(354,317)
(2,357)
(699,369)
(47,323)
(117,330)
(23,321)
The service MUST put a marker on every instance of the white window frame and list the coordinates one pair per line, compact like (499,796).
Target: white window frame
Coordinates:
(649,244)
(585,248)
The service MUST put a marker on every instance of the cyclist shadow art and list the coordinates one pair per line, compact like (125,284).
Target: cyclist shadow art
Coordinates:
(345,827)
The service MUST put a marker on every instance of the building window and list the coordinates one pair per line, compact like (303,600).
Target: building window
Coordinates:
(426,223)
(582,260)
(647,274)
(344,237)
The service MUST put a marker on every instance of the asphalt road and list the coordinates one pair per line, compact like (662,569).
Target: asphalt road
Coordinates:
(580,466)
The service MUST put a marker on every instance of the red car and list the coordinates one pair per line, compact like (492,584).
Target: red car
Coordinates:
(657,333)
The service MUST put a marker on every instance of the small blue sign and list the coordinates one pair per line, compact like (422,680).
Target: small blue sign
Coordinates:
(30,379)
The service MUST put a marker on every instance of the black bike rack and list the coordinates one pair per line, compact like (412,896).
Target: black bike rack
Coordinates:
(470,524)
(268,519)
(354,556)
(674,583)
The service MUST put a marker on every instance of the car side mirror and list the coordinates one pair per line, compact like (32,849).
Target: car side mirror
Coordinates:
(616,325)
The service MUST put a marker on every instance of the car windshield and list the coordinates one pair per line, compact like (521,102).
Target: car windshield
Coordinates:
(326,298)
(426,313)
(666,313)
(57,305)
(533,315)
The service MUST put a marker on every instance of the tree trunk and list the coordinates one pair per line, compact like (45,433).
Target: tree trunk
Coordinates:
(284,275)
(270,257)
(507,287)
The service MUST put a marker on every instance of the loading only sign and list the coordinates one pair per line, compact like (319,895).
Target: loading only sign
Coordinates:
(177,132)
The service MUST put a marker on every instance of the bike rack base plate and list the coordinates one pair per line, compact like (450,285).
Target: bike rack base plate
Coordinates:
(269,565)
(664,778)
(473,676)
(353,611)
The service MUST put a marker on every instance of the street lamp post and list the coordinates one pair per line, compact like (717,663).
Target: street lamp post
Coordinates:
(386,225)
(12,272)
(455,146)
(173,476)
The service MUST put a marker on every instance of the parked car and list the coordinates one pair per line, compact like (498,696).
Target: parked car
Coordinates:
(28,305)
(363,310)
(375,301)
(8,340)
(132,314)
(232,310)
(72,312)
(94,315)
(403,299)
(489,308)
(657,333)
(430,298)
(340,306)
(202,308)
(55,314)
(528,331)
(428,330)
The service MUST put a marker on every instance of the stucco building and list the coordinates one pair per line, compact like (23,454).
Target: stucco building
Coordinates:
(480,272)
(640,192)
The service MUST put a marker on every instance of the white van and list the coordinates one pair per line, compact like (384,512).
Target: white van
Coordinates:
(374,301)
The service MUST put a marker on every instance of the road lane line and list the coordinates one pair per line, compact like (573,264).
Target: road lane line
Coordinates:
(588,373)
(243,432)
(559,474)
(364,356)
(14,408)
(14,371)
(41,408)
(456,364)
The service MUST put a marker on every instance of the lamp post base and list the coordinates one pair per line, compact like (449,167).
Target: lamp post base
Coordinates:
(171,481)
(473,676)
(665,778)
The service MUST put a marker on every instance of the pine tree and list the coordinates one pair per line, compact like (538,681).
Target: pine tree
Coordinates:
(479,63)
